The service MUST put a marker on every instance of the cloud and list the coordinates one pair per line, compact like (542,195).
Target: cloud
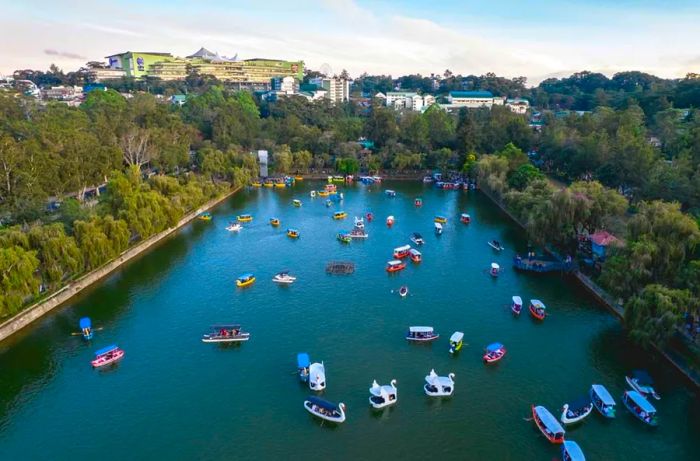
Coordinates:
(64,54)
(347,9)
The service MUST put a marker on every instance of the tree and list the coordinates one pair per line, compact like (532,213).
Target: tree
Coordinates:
(136,146)
(302,160)
(523,176)
(282,158)
(58,253)
(17,278)
(654,315)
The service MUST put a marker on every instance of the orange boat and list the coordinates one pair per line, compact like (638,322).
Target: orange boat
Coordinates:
(548,424)
(395,265)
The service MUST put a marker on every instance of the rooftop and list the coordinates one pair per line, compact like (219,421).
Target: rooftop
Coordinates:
(471,94)
(154,53)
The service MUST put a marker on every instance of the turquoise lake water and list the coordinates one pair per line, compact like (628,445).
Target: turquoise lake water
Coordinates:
(174,397)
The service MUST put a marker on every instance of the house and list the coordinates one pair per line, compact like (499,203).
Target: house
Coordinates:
(518,105)
(601,240)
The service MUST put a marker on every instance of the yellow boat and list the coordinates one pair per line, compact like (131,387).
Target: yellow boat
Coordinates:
(340,215)
(205,216)
(298,178)
(323,193)
(256,184)
(293,233)
(280,184)
(338,179)
(244,218)
(245,280)
(274,222)
(296,203)
(441,219)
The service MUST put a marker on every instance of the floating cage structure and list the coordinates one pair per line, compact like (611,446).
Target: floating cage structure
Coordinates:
(340,267)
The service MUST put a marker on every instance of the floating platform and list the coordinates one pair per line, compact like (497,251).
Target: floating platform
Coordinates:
(340,267)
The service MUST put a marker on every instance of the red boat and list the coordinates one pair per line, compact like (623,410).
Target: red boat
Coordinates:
(494,352)
(537,309)
(465,218)
(369,217)
(418,201)
(415,255)
(107,355)
(548,424)
(390,221)
(402,252)
(395,265)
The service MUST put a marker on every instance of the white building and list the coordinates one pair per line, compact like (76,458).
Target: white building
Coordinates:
(286,85)
(63,93)
(409,100)
(473,99)
(337,89)
(518,105)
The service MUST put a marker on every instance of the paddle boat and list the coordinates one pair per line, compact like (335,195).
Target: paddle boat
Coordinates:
(517,306)
(456,341)
(106,356)
(293,233)
(338,178)
(415,255)
(329,203)
(496,245)
(402,251)
(548,424)
(494,352)
(440,219)
(369,217)
(343,237)
(641,382)
(439,386)
(303,363)
(340,215)
(274,222)
(640,408)
(268,184)
(602,400)
(325,410)
(390,193)
(421,334)
(280,185)
(403,291)
(256,184)
(234,227)
(312,194)
(358,233)
(570,451)
(383,396)
(495,270)
(317,376)
(389,221)
(296,202)
(359,222)
(86,328)
(438,228)
(245,280)
(464,218)
(537,309)
(417,238)
(206,216)
(577,410)
(244,218)
(323,193)
(284,278)
(395,265)
(225,334)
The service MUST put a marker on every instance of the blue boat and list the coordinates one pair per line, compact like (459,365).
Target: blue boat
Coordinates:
(86,328)
(303,363)
(640,408)
(571,451)
(602,400)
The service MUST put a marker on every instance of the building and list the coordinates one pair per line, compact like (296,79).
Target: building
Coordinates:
(409,100)
(399,98)
(100,73)
(601,240)
(337,89)
(175,69)
(178,99)
(518,105)
(63,93)
(137,64)
(286,85)
(472,99)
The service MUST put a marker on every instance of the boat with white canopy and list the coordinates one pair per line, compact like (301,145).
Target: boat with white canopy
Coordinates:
(640,408)
(284,278)
(517,305)
(421,334)
(317,376)
(571,451)
(602,400)
(456,341)
(439,386)
(548,424)
(383,396)
(325,410)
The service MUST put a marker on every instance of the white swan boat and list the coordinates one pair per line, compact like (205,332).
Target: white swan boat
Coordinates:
(317,376)
(234,227)
(284,278)
(359,222)
(576,410)
(383,396)
(325,410)
(439,386)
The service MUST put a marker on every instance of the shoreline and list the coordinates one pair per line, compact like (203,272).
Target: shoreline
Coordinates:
(39,309)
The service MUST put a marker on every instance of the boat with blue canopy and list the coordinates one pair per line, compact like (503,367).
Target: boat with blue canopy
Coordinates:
(640,381)
(494,352)
(86,328)
(576,410)
(571,451)
(602,400)
(107,355)
(640,408)
(548,424)
(325,410)
(245,280)
(303,362)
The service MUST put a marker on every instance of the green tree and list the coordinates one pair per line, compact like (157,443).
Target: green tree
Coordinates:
(58,253)
(18,281)
(654,315)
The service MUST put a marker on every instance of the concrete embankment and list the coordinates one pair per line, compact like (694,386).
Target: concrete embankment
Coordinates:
(41,308)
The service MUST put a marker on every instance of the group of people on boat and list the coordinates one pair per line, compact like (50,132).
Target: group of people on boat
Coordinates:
(225,333)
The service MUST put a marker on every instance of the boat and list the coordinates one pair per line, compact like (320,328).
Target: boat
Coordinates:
(86,328)
(284,278)
(494,352)
(359,222)
(340,215)
(293,233)
(537,309)
(548,424)
(417,238)
(303,363)
(234,227)
(570,451)
(226,334)
(427,179)
(421,334)
(296,203)
(640,408)
(395,265)
(106,356)
(312,194)
(343,237)
(456,341)
(517,305)
(256,184)
(390,193)
(439,386)
(323,193)
(377,178)
(329,203)
(418,201)
(440,219)
(274,222)
(641,382)
(464,218)
(403,291)
(298,178)
(206,216)
(369,217)
(325,410)
(317,376)
(415,255)
(602,400)
(244,218)
(358,233)
(389,221)
(495,270)
(331,188)
(496,245)
(338,178)
(268,184)
(438,228)
(576,410)
(245,280)
(383,396)
(402,251)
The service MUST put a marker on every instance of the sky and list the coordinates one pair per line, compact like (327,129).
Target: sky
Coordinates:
(537,39)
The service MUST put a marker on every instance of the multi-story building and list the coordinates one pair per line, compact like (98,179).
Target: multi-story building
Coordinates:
(471,99)
(169,70)
(136,63)
(518,105)
(409,100)
(100,73)
(337,89)
(62,93)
